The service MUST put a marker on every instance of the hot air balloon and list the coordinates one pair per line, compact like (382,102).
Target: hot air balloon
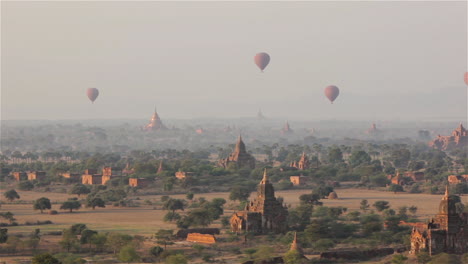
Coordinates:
(466,78)
(92,94)
(332,92)
(262,59)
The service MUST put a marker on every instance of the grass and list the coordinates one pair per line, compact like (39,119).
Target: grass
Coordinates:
(145,220)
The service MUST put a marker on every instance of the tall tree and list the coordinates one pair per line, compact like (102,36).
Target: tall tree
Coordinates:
(80,189)
(11,195)
(42,204)
(71,205)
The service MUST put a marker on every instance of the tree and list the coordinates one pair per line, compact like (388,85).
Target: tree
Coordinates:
(423,257)
(264,253)
(239,193)
(8,216)
(80,189)
(364,205)
(86,236)
(95,202)
(99,241)
(3,235)
(311,199)
(175,204)
(189,196)
(395,188)
(25,186)
(323,244)
(293,257)
(335,155)
(156,251)
(170,216)
(164,237)
(413,209)
(77,229)
(42,204)
(359,157)
(381,205)
(11,195)
(71,205)
(128,254)
(45,258)
(69,240)
(117,241)
(196,217)
(461,188)
(400,157)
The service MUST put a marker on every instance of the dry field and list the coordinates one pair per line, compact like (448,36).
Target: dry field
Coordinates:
(146,220)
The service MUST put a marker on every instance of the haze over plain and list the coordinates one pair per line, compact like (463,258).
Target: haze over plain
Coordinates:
(391,60)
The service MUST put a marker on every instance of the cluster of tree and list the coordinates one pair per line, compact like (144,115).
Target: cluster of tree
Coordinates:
(201,213)
(13,242)
(366,162)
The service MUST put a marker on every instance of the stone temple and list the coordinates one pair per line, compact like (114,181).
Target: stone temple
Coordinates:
(446,232)
(262,215)
(240,157)
(458,139)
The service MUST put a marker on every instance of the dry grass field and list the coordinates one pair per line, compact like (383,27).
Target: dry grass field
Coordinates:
(146,220)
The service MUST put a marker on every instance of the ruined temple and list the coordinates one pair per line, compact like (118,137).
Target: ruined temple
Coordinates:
(262,215)
(302,164)
(459,138)
(155,123)
(373,130)
(286,129)
(445,232)
(239,157)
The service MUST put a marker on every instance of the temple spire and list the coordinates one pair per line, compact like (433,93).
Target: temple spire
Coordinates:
(265,177)
(295,246)
(446,195)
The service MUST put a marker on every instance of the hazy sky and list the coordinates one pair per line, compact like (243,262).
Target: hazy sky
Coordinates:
(391,60)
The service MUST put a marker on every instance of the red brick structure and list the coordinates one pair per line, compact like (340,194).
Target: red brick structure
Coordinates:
(239,157)
(298,180)
(201,238)
(95,179)
(36,175)
(71,176)
(183,175)
(416,176)
(397,179)
(20,176)
(139,182)
(446,232)
(302,164)
(90,171)
(455,179)
(459,138)
(264,214)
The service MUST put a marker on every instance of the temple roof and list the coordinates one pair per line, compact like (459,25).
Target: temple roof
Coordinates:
(265,177)
(240,146)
